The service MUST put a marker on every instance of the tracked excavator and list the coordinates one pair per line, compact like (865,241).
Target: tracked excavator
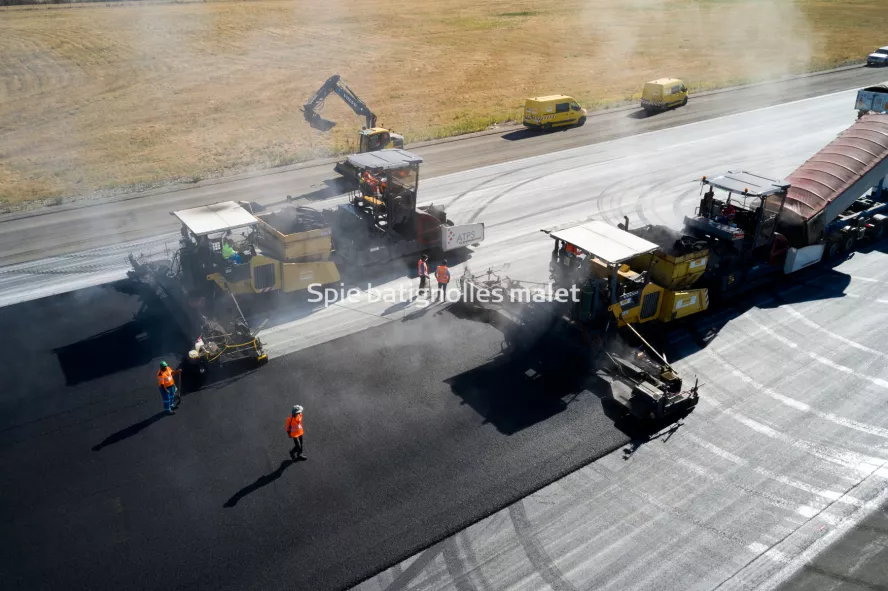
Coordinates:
(372,138)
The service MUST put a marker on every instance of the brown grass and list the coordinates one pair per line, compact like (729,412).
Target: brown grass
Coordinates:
(95,97)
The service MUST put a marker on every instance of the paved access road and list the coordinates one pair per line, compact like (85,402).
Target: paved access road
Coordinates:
(73,228)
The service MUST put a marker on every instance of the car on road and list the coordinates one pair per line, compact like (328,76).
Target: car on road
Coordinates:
(878,58)
(664,94)
(558,110)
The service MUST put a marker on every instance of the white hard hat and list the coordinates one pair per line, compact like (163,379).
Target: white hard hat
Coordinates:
(297,409)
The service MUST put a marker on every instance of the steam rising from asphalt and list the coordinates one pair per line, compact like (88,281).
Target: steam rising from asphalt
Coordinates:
(765,39)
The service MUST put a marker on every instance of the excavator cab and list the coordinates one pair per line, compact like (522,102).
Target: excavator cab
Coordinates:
(378,138)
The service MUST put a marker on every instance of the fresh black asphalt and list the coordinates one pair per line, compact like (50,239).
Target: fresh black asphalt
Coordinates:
(414,430)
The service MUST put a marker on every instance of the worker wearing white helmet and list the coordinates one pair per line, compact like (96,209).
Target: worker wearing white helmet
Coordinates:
(295,431)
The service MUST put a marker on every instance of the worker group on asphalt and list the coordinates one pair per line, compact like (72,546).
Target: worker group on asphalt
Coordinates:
(166,384)
(442,276)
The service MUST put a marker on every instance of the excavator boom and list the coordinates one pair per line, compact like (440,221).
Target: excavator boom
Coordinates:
(335,84)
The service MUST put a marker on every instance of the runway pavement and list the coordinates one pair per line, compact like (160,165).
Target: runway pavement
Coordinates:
(787,451)
(785,454)
(408,438)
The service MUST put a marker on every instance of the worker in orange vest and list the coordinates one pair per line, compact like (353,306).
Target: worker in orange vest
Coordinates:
(442,275)
(166,383)
(423,270)
(295,431)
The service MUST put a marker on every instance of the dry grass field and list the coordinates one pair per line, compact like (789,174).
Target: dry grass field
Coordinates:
(101,97)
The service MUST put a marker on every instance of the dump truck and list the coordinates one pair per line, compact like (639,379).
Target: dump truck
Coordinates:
(759,228)
(747,230)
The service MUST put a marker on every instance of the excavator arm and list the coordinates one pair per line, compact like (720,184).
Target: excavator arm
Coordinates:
(335,84)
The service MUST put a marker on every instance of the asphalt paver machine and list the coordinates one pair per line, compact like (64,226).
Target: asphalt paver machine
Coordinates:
(604,282)
(209,316)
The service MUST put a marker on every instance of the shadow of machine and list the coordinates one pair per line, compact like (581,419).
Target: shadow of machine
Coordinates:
(537,377)
(133,344)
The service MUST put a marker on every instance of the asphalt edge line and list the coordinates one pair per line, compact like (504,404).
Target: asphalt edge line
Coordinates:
(465,524)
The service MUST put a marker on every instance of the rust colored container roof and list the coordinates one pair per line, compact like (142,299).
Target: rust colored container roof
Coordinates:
(830,172)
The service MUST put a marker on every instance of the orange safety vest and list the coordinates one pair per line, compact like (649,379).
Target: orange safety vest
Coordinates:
(423,268)
(294,425)
(165,378)
(442,274)
(573,249)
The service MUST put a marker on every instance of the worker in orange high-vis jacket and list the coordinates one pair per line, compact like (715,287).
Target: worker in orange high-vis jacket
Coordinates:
(423,270)
(442,275)
(295,431)
(166,383)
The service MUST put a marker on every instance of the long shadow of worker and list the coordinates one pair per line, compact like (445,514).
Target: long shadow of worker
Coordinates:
(260,482)
(129,431)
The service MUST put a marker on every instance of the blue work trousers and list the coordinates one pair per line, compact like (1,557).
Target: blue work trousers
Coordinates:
(169,397)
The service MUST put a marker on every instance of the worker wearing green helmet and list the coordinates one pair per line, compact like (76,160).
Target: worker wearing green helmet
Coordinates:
(166,384)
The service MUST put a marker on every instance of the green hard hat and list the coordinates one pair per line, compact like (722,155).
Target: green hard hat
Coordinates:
(163,364)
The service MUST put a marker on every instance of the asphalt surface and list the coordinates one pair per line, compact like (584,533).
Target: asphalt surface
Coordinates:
(786,453)
(408,438)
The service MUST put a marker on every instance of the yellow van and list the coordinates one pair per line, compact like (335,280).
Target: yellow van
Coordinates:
(663,94)
(546,112)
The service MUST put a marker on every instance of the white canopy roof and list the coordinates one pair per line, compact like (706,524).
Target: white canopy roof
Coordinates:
(611,245)
(215,218)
